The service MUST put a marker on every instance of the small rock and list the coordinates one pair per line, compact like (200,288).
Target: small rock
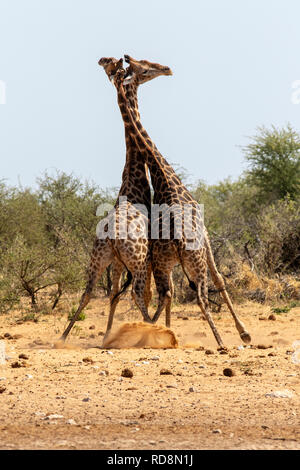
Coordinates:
(191,389)
(165,372)
(110,353)
(8,336)
(88,360)
(228,372)
(180,361)
(18,364)
(71,421)
(92,327)
(217,431)
(280,394)
(23,356)
(209,351)
(2,378)
(145,362)
(92,336)
(101,333)
(86,399)
(262,346)
(104,372)
(53,416)
(2,389)
(155,358)
(127,373)
(152,443)
(240,348)
(29,376)
(272,317)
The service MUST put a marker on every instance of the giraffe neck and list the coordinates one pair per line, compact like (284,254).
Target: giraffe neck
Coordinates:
(135,181)
(166,184)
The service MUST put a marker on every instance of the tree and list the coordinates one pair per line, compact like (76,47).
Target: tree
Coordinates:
(274,159)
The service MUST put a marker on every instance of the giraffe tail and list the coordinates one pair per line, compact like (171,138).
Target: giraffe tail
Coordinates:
(124,287)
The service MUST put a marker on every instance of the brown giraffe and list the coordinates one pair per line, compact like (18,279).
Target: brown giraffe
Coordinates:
(194,253)
(129,253)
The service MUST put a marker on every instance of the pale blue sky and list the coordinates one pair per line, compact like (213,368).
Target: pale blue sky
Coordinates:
(233,61)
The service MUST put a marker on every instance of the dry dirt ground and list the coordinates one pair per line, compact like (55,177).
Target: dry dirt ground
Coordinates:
(75,398)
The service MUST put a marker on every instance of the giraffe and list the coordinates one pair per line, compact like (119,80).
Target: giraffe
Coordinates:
(131,254)
(169,191)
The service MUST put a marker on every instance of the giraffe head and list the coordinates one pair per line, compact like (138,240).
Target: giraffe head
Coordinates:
(143,70)
(111,66)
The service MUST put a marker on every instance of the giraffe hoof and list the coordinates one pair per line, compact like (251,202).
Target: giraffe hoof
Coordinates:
(245,337)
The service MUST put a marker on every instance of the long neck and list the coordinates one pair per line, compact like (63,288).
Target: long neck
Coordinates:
(166,184)
(135,181)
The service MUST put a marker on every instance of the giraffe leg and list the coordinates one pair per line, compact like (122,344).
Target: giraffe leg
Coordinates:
(118,269)
(148,291)
(206,313)
(195,265)
(220,285)
(164,289)
(138,290)
(169,303)
(102,256)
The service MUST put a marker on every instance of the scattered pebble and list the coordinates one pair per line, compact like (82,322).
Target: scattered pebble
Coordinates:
(2,378)
(240,348)
(272,317)
(71,421)
(23,356)
(53,416)
(228,372)
(217,431)
(86,399)
(92,327)
(155,358)
(88,360)
(18,364)
(209,351)
(104,372)
(180,361)
(2,389)
(165,372)
(127,373)
(29,376)
(145,362)
(280,394)
(191,389)
(110,353)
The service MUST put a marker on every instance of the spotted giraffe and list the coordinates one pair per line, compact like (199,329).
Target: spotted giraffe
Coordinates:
(131,253)
(169,191)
